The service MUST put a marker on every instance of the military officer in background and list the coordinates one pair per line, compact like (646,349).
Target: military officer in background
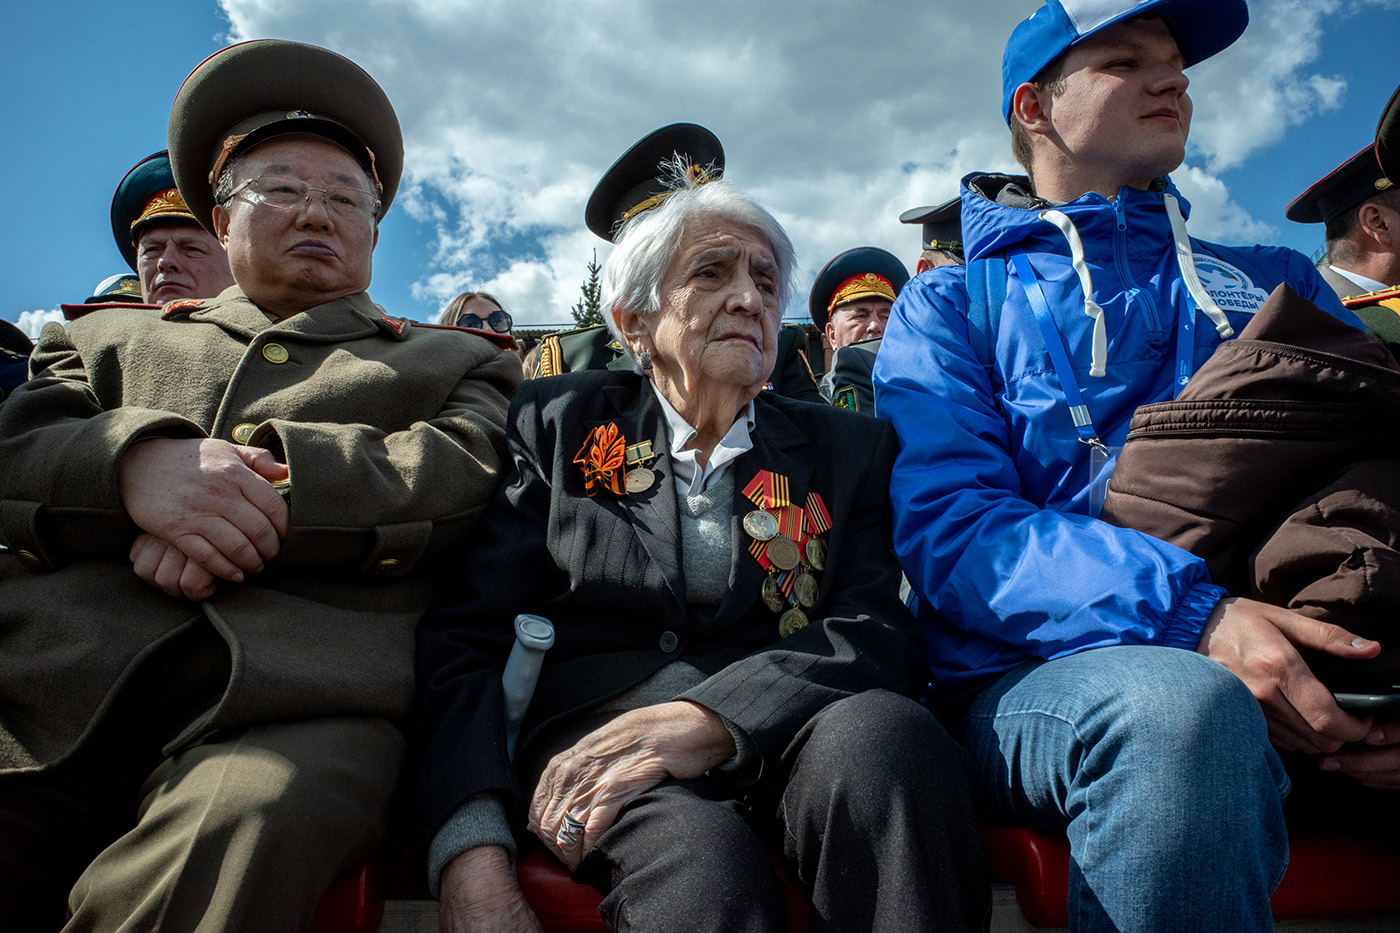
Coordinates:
(635,183)
(171,256)
(941,229)
(1360,206)
(849,303)
(161,240)
(223,520)
(1381,309)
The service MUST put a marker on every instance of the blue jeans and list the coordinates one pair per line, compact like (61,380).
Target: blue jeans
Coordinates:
(1156,764)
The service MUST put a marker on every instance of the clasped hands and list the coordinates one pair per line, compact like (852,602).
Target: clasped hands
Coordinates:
(1259,643)
(207,512)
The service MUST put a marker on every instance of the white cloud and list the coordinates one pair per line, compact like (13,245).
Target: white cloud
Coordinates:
(31,322)
(1246,100)
(1213,215)
(836,115)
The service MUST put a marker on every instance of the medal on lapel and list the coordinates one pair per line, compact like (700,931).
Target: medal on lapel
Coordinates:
(639,478)
(787,544)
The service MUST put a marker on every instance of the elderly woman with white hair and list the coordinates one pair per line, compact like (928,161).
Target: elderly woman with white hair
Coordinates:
(732,668)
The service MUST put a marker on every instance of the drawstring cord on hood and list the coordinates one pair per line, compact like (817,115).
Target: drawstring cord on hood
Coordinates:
(1188,270)
(1098,364)
(1099,358)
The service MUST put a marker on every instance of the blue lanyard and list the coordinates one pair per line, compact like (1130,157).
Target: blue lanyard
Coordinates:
(1059,356)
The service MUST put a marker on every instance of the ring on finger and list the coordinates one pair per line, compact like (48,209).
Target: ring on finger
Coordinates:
(570,833)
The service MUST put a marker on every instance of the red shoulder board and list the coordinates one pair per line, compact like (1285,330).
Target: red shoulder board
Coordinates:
(181,307)
(393,324)
(504,341)
(1372,298)
(73,312)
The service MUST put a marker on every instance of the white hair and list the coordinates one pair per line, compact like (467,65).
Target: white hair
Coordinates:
(648,242)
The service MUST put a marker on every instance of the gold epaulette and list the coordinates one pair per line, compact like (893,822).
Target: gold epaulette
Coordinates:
(1382,296)
(550,359)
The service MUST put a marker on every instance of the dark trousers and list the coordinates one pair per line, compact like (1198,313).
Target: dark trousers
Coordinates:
(870,806)
(241,832)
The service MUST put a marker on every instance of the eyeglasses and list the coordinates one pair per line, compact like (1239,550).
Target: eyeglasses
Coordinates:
(285,193)
(497,320)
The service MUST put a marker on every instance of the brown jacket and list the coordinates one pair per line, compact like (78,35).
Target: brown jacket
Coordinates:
(393,436)
(1279,465)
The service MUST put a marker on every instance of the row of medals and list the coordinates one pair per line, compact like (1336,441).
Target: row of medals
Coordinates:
(784,554)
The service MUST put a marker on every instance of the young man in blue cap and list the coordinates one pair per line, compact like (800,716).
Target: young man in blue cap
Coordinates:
(1078,661)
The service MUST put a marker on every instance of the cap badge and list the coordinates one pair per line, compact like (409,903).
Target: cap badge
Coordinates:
(164,203)
(300,114)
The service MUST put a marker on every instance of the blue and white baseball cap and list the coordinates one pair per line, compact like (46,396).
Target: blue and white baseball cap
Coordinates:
(1201,29)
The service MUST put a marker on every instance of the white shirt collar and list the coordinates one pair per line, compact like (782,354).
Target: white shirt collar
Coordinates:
(690,478)
(1367,285)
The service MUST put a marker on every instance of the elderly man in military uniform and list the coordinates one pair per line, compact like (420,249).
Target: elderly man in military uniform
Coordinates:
(223,518)
(850,303)
(1360,206)
(170,254)
(635,183)
(161,240)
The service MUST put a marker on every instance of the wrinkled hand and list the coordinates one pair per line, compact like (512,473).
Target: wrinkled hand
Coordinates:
(610,766)
(478,893)
(1376,763)
(1257,642)
(167,567)
(211,500)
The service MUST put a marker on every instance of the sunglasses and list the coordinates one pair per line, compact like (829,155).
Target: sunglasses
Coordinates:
(497,320)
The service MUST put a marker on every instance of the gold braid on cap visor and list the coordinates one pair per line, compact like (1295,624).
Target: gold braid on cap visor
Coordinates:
(167,203)
(693,173)
(865,285)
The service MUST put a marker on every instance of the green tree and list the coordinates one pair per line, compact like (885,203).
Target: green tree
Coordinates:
(589,311)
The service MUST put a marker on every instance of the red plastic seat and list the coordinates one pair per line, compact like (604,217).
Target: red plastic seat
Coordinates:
(1329,875)
(355,904)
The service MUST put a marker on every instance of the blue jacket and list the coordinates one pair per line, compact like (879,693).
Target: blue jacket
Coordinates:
(991,485)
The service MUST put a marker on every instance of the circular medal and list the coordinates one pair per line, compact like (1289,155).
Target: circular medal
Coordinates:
(772,595)
(782,552)
(760,525)
(640,479)
(816,553)
(791,621)
(806,590)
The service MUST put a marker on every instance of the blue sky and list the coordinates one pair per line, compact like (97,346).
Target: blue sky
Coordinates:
(836,115)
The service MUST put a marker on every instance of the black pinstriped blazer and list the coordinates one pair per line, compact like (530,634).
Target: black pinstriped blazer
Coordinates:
(607,571)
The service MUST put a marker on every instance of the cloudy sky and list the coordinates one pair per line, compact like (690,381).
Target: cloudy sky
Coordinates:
(836,115)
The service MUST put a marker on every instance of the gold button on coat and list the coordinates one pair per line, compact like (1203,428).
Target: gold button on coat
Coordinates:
(29,559)
(275,353)
(243,432)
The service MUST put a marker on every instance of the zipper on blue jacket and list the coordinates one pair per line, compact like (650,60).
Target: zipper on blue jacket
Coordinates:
(1120,259)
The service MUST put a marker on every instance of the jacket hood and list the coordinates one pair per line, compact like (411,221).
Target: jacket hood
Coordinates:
(1000,211)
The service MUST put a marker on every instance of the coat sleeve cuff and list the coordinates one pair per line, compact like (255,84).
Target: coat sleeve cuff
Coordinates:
(1185,625)
(480,821)
(744,766)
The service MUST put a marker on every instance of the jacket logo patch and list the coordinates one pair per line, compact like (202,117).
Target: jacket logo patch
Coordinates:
(1228,285)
